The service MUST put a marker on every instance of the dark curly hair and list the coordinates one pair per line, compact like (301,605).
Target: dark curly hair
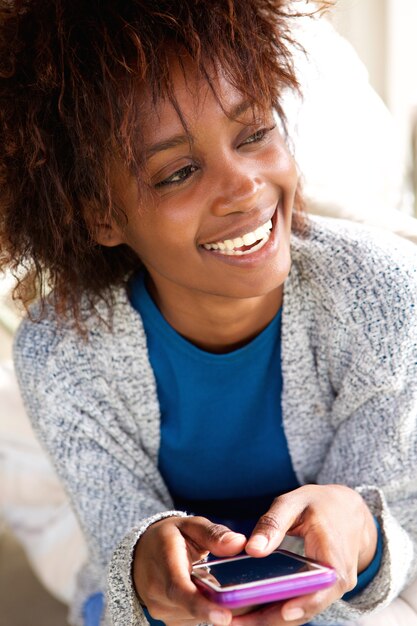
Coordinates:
(69,75)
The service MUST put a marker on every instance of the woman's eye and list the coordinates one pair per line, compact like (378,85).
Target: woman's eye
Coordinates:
(177,177)
(259,135)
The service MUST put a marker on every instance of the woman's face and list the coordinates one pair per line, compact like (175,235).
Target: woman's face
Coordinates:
(217,220)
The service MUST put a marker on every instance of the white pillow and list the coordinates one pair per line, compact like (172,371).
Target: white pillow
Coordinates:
(343,137)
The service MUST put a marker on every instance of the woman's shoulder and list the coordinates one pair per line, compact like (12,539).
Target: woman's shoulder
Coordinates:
(353,285)
(342,257)
(47,343)
(326,237)
(352,296)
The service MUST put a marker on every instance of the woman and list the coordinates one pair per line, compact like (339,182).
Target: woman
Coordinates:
(204,349)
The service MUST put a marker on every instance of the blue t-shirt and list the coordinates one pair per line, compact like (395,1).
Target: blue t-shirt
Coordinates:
(223,450)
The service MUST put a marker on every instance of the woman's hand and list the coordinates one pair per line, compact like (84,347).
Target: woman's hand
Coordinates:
(163,562)
(338,529)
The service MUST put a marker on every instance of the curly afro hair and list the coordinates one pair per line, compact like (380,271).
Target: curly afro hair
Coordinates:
(70,71)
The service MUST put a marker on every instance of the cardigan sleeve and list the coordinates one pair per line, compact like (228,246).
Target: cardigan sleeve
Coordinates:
(374,444)
(383,472)
(112,481)
(350,364)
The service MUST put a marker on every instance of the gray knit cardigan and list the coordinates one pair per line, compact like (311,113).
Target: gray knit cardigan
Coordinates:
(349,404)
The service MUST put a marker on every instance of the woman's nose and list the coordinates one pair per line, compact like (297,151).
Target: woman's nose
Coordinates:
(237,190)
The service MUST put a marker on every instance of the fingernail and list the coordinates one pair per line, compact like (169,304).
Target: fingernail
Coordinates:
(231,536)
(290,615)
(220,618)
(258,542)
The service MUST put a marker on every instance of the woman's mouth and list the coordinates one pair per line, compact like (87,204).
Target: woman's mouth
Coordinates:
(245,244)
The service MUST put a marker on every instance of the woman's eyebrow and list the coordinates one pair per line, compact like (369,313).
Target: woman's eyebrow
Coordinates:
(166,144)
(239,109)
(178,140)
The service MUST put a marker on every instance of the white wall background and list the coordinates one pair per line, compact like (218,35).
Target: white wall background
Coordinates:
(384,33)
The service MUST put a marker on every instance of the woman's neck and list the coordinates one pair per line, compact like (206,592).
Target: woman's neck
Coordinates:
(214,323)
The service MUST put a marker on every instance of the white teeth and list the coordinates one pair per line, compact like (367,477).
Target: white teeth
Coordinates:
(260,232)
(231,246)
(250,238)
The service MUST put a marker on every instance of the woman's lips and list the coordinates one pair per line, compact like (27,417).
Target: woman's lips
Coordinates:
(254,220)
(246,244)
(247,254)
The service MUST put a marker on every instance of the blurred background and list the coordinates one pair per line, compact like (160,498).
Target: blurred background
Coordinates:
(383,33)
(356,145)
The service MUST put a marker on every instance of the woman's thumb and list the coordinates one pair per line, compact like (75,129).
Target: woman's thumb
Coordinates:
(205,536)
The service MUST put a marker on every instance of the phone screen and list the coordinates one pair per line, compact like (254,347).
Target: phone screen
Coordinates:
(242,571)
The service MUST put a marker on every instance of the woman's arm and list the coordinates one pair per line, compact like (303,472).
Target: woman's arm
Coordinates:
(78,401)
(350,387)
(138,545)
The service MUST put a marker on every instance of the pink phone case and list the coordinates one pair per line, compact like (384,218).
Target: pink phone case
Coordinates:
(270,590)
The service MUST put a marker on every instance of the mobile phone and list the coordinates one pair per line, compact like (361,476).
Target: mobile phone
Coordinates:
(243,580)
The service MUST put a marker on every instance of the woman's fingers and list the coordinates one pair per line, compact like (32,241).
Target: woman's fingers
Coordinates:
(271,528)
(270,615)
(166,551)
(307,607)
(318,514)
(205,536)
(162,566)
(291,613)
(181,601)
(274,615)
(180,590)
(313,604)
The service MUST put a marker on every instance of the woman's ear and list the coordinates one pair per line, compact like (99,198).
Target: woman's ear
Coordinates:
(108,229)
(104,229)
(107,233)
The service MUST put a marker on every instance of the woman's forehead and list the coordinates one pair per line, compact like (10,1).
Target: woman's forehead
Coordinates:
(193,100)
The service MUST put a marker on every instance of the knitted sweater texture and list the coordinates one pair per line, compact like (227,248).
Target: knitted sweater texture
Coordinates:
(349,404)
